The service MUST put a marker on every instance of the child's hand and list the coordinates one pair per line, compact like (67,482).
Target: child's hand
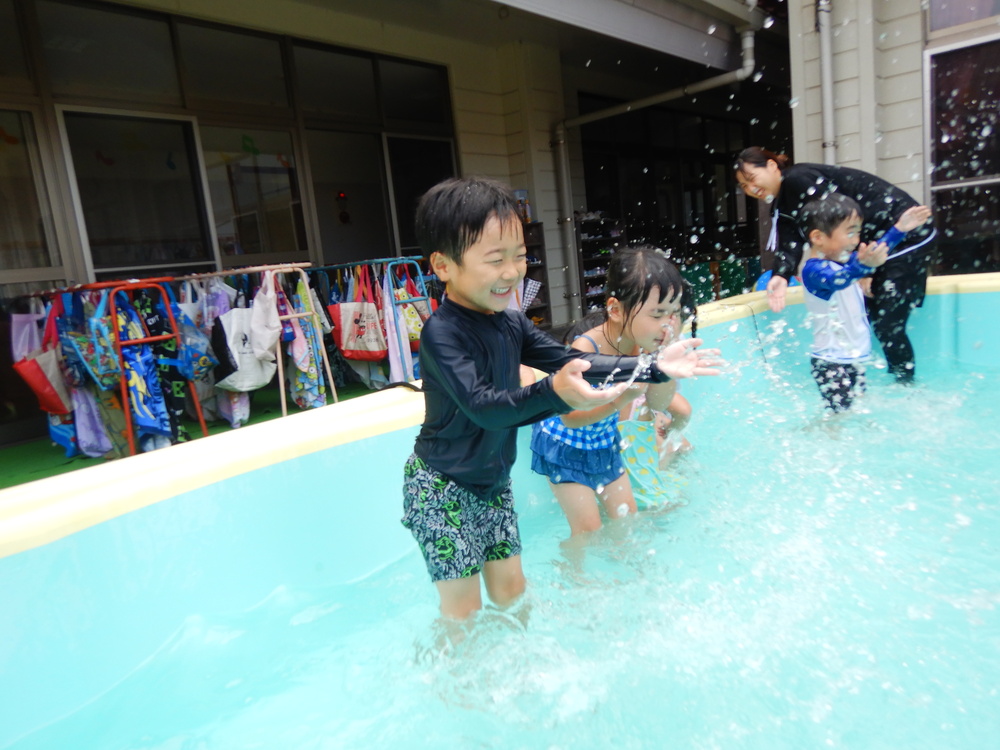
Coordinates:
(913,218)
(776,293)
(866,286)
(683,359)
(873,254)
(570,386)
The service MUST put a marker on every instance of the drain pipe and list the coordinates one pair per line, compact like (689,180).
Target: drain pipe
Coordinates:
(561,146)
(824,14)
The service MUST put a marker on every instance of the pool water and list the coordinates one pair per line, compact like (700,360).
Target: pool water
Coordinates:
(821,582)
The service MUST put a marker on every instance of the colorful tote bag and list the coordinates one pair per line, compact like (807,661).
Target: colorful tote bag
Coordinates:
(40,369)
(149,410)
(357,325)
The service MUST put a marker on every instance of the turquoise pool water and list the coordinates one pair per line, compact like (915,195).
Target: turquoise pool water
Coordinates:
(820,583)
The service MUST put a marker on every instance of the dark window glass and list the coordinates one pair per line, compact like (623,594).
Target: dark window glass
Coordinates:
(254,188)
(966,119)
(661,129)
(335,84)
(103,53)
(598,130)
(416,165)
(415,93)
(139,186)
(347,175)
(689,132)
(630,128)
(227,67)
(25,219)
(13,68)
(948,13)
(715,136)
(968,222)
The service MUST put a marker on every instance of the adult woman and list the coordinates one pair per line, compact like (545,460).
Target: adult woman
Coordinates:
(897,287)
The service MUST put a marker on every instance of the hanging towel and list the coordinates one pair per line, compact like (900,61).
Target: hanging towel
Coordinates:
(400,361)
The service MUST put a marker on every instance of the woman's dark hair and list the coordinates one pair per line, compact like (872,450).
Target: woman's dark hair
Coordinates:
(826,214)
(632,274)
(451,215)
(757,156)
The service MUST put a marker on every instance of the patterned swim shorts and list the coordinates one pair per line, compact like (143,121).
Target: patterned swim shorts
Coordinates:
(457,530)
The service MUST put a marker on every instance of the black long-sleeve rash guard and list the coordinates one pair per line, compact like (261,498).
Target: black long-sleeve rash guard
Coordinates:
(470,364)
(882,203)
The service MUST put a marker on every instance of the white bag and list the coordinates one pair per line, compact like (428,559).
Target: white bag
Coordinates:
(239,369)
(26,330)
(191,299)
(265,324)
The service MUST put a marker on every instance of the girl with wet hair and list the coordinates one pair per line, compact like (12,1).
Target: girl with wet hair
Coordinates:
(581,452)
(897,287)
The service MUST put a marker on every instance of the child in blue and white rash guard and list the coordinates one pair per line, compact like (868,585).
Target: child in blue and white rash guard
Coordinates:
(834,296)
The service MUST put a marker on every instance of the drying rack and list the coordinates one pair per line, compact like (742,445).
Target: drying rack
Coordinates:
(129,287)
(391,264)
(289,268)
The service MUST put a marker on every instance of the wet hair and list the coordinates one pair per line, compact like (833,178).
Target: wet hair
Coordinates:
(632,274)
(826,214)
(757,156)
(452,214)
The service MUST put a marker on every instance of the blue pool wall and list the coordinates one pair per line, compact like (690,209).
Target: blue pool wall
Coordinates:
(101,569)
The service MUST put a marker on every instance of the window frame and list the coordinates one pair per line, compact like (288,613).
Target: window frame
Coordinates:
(74,188)
(43,168)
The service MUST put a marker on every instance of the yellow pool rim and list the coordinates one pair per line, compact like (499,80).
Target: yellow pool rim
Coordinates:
(40,512)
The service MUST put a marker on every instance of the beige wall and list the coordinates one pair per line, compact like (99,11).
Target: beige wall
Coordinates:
(878,90)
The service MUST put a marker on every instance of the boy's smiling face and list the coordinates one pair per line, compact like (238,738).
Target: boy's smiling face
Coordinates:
(491,268)
(839,244)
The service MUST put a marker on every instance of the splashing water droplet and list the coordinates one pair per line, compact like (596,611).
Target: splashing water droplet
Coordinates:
(623,510)
(768,22)
(793,102)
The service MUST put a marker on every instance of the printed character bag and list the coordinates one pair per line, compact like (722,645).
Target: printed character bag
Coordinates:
(357,326)
(94,351)
(195,358)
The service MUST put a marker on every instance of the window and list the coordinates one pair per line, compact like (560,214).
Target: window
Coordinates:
(255,195)
(26,238)
(140,192)
(107,54)
(965,152)
(347,175)
(415,93)
(335,84)
(946,14)
(13,68)
(415,165)
(230,68)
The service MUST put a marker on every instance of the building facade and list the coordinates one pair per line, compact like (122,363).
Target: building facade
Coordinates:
(161,137)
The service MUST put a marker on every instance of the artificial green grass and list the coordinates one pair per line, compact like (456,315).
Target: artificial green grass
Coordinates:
(41,458)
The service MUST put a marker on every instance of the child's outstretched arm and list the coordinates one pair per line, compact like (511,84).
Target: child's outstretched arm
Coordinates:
(683,359)
(569,385)
(912,218)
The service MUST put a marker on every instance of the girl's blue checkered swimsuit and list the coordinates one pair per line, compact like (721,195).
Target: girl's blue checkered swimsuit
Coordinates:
(588,455)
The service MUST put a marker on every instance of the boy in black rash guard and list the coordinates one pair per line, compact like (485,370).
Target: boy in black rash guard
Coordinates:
(457,497)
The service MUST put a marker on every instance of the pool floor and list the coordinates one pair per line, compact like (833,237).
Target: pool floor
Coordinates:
(820,583)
